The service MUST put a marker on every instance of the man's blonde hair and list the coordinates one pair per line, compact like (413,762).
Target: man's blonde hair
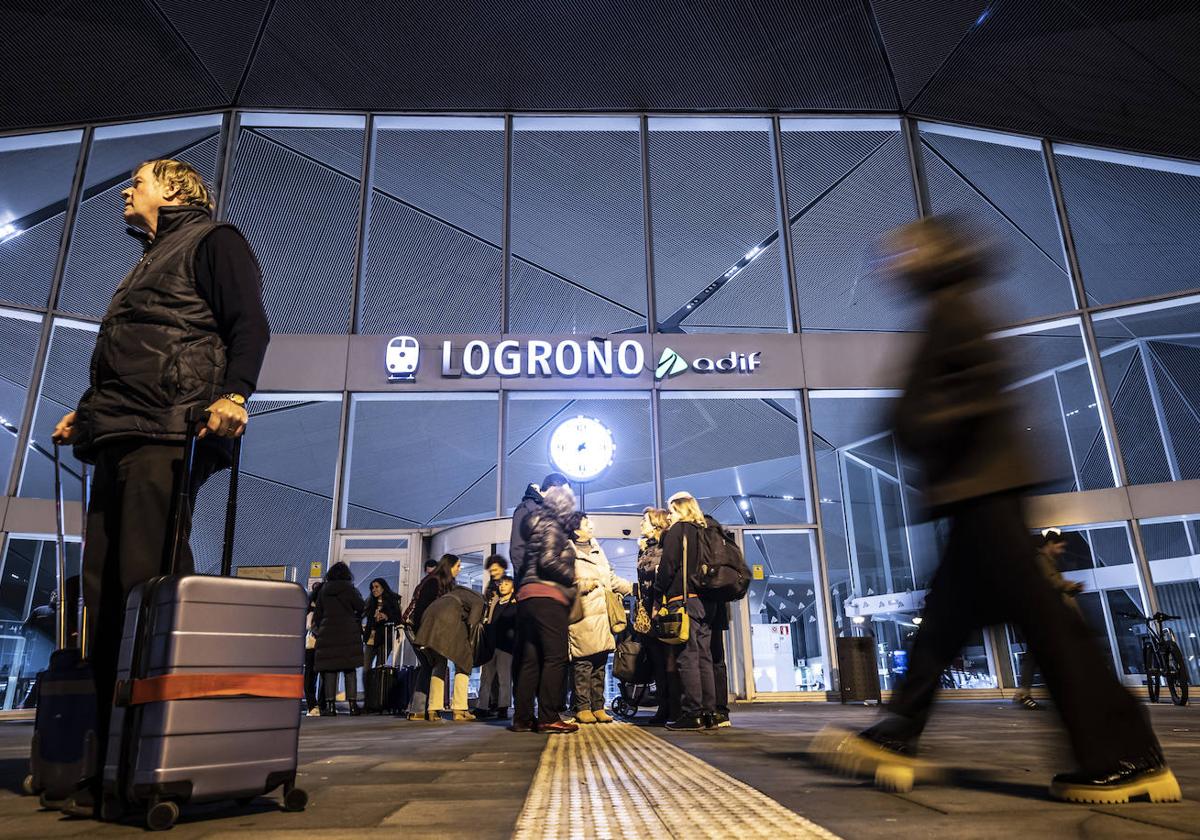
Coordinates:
(688,509)
(183,179)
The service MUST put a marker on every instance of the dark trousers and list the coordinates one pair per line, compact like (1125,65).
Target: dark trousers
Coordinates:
(695,664)
(310,678)
(989,575)
(542,640)
(666,677)
(589,682)
(717,615)
(329,684)
(129,528)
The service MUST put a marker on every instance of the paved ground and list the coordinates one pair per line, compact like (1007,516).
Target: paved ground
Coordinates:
(383,777)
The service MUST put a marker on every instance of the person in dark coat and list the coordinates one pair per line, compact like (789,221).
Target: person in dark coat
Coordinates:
(655,521)
(530,504)
(337,618)
(545,577)
(957,418)
(383,608)
(310,655)
(429,691)
(447,635)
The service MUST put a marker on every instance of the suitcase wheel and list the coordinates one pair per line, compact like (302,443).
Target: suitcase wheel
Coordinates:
(161,816)
(27,785)
(295,799)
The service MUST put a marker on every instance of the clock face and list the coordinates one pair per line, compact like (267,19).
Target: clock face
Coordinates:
(581,448)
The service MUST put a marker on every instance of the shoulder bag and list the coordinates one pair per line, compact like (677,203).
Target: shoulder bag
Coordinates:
(641,618)
(671,624)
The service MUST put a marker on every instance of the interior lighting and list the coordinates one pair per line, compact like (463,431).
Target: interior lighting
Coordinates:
(858,619)
(918,620)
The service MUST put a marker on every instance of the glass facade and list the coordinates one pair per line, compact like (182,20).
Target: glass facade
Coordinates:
(599,225)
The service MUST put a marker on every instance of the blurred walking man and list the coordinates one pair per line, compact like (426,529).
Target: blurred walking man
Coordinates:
(185,330)
(960,423)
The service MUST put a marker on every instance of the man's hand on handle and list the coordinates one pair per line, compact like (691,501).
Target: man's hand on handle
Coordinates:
(65,429)
(225,419)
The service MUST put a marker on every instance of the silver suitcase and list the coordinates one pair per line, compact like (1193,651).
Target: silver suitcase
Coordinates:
(209,685)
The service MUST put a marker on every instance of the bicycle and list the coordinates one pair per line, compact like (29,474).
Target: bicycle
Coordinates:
(1163,658)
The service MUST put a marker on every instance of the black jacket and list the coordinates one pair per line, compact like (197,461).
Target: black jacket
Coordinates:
(648,561)
(337,619)
(548,556)
(159,351)
(427,590)
(503,626)
(668,581)
(530,503)
(391,611)
(447,626)
(955,416)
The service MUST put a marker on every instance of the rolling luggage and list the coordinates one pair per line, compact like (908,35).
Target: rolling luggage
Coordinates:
(209,675)
(389,687)
(63,753)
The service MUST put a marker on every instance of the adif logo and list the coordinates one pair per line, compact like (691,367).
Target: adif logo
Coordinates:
(671,363)
(403,356)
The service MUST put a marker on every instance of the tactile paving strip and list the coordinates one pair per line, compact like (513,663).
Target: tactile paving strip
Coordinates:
(617,781)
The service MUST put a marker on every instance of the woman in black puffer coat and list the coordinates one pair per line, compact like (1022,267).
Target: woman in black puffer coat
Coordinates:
(338,622)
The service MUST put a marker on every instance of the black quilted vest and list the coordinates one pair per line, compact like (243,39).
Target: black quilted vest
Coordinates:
(158,353)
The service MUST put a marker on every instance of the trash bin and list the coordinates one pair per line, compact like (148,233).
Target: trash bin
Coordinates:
(858,669)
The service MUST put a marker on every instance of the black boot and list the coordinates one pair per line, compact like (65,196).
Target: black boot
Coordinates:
(354,710)
(328,708)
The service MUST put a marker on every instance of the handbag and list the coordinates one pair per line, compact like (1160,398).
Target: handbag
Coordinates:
(641,618)
(631,664)
(671,624)
(618,618)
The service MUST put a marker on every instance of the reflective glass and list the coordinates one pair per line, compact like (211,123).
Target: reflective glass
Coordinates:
(294,192)
(742,455)
(577,226)
(1173,549)
(716,222)
(419,460)
(102,252)
(625,486)
(434,227)
(36,171)
(19,334)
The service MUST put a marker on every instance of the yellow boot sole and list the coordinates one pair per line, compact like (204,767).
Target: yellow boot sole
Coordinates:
(1158,787)
(851,754)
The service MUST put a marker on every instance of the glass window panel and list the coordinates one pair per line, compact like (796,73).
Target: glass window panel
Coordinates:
(36,171)
(19,335)
(289,458)
(421,460)
(1135,222)
(715,212)
(294,192)
(1060,412)
(1001,186)
(434,227)
(848,183)
(741,455)
(1173,549)
(1151,357)
(578,231)
(63,382)
(102,252)
(626,486)
(787,636)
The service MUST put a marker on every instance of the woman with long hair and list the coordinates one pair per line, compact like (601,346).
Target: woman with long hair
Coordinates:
(676,584)
(337,619)
(429,693)
(383,608)
(655,521)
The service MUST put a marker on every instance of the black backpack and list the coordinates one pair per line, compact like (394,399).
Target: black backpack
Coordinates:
(723,573)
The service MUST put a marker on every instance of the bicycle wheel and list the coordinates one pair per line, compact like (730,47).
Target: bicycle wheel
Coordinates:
(1153,678)
(1176,674)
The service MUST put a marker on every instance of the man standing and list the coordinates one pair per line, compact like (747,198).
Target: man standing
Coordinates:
(958,420)
(185,332)
(530,504)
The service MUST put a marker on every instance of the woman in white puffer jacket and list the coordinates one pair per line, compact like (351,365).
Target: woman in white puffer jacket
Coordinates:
(591,638)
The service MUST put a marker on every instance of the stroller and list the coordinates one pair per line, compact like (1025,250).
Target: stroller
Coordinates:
(633,696)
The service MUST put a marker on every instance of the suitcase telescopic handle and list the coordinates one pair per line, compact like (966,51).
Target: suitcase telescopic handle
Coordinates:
(60,535)
(182,502)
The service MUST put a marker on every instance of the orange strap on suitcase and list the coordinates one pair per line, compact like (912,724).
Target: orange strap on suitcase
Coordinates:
(207,686)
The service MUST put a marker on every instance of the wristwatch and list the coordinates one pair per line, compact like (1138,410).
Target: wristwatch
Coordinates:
(237,399)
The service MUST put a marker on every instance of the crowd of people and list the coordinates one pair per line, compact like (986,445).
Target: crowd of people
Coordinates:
(542,636)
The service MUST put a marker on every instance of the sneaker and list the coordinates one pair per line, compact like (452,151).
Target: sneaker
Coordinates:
(709,721)
(585,716)
(1028,703)
(481,714)
(687,723)
(721,719)
(502,714)
(517,726)
(1148,777)
(893,765)
(462,715)
(658,720)
(602,716)
(315,711)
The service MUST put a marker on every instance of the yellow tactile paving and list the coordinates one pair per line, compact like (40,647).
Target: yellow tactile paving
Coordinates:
(619,781)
